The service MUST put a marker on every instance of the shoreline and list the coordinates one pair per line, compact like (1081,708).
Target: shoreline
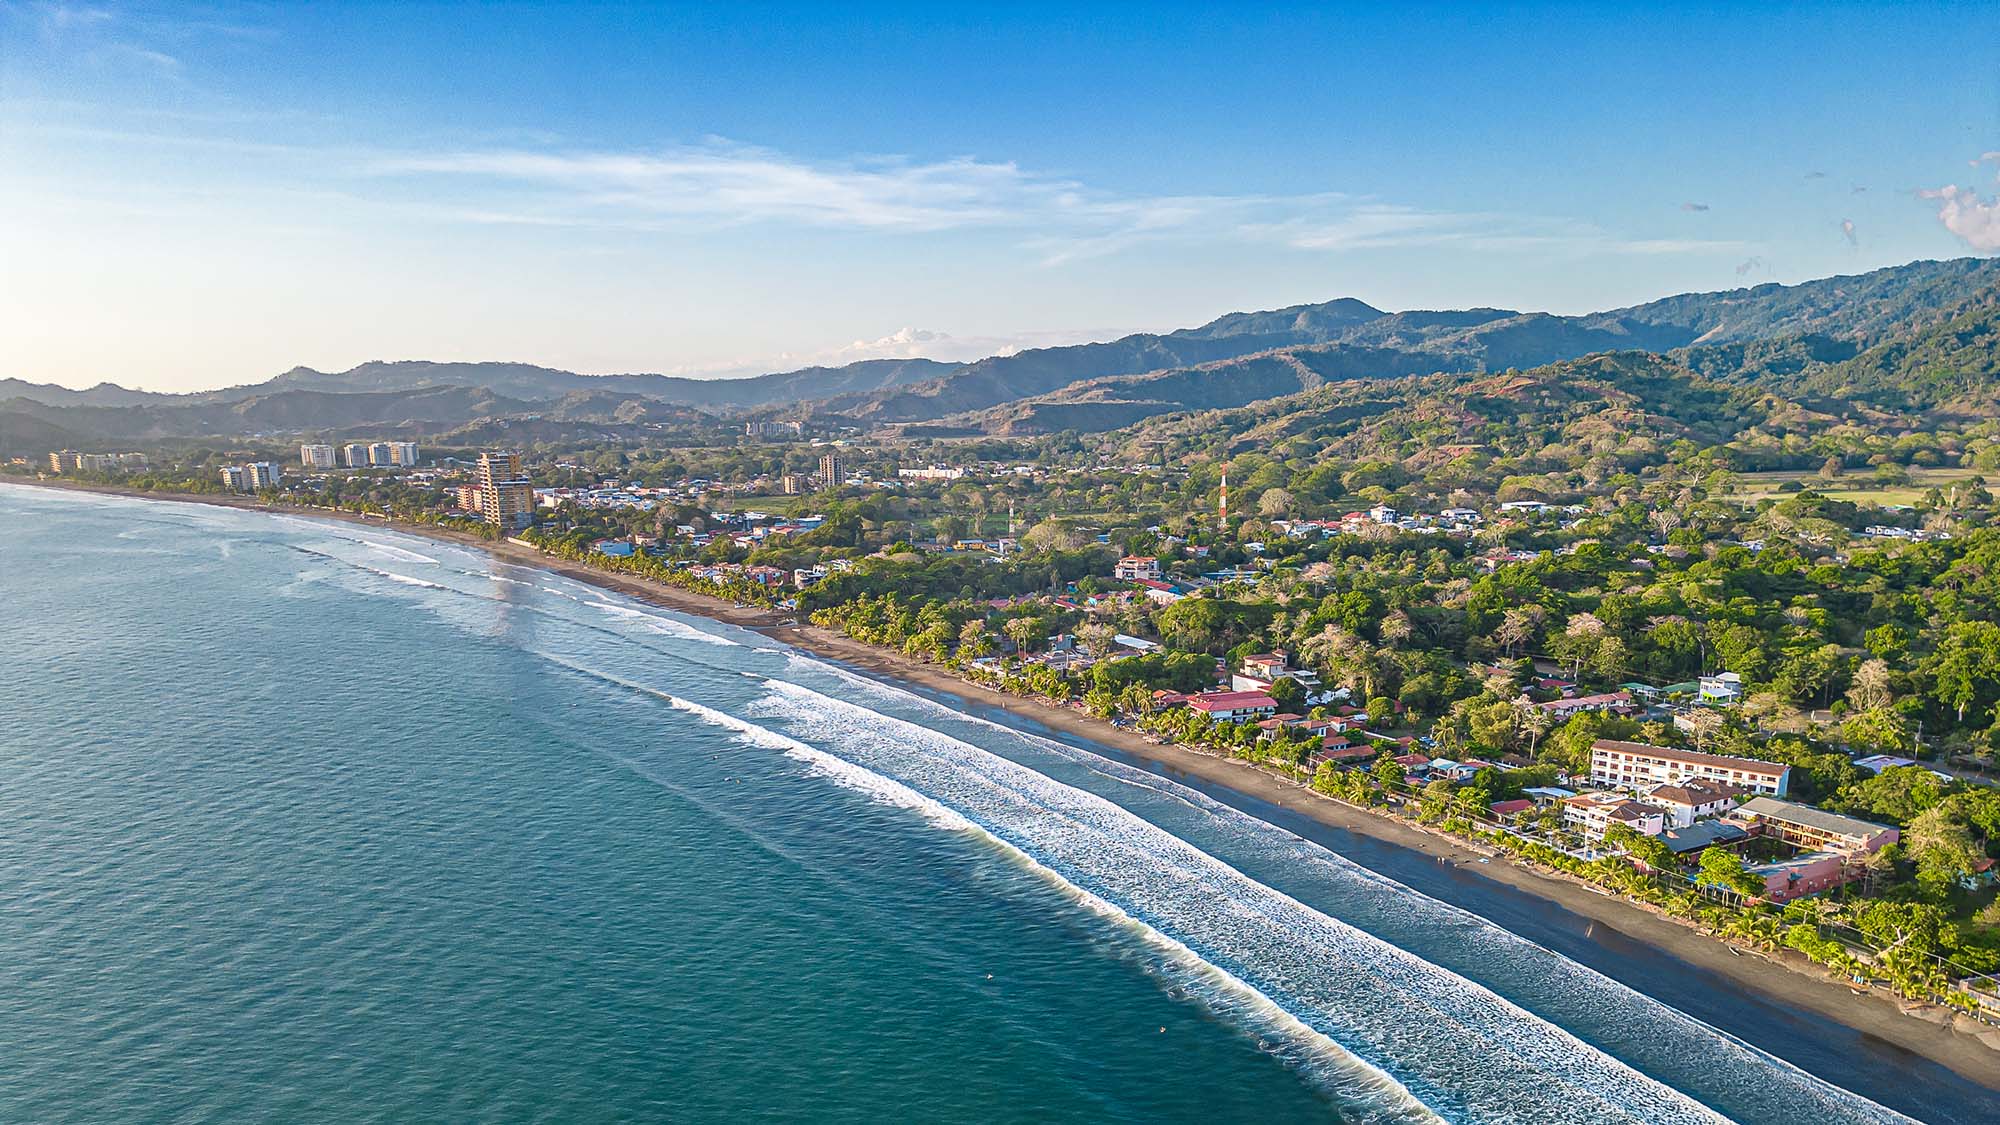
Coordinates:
(1966,1047)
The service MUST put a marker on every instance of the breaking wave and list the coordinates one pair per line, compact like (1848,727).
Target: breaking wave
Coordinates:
(1419,1022)
(1575,983)
(1371,1092)
(668,626)
(395,552)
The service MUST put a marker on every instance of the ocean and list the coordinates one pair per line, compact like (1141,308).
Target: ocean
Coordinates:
(303,820)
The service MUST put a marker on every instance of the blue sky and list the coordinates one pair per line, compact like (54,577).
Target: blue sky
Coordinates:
(196,196)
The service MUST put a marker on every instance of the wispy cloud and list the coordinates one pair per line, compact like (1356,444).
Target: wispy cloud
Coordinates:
(100,37)
(1383,225)
(1694,206)
(1060,218)
(740,183)
(58,18)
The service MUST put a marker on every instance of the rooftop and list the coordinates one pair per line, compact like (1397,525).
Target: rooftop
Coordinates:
(1702,834)
(1230,700)
(1770,808)
(1690,757)
(1693,792)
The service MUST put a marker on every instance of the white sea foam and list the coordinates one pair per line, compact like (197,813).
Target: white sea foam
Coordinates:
(1384,1099)
(395,552)
(1418,1020)
(1561,975)
(667,626)
(409,581)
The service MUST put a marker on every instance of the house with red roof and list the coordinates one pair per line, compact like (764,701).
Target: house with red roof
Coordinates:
(1234,706)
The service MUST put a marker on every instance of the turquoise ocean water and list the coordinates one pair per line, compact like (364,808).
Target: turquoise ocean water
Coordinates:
(307,821)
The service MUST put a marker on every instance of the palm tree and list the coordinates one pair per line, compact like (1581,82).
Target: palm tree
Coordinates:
(1022,631)
(1538,723)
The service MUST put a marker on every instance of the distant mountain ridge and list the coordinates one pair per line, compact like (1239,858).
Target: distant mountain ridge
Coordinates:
(517,380)
(1765,333)
(1847,314)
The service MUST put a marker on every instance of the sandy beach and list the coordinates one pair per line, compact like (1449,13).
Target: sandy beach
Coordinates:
(1966,1047)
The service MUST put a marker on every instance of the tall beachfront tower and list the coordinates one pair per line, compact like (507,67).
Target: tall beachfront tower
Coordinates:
(506,496)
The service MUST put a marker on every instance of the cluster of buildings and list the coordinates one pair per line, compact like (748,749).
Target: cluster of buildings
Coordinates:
(70,461)
(1450,521)
(1565,700)
(360,455)
(1691,801)
(1912,534)
(253,477)
(832,474)
(1246,694)
(1146,576)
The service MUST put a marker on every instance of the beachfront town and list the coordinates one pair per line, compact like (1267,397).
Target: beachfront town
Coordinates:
(1774,722)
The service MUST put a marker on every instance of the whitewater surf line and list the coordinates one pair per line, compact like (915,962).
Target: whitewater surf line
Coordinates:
(1292,850)
(1365,1090)
(1416,1020)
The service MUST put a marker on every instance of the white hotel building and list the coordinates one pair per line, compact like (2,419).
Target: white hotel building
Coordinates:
(1636,765)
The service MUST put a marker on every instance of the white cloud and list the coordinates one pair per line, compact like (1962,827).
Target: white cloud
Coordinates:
(1062,219)
(904,343)
(1385,225)
(1972,217)
(739,183)
(919,343)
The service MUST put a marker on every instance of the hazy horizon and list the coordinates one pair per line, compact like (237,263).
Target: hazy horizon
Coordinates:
(209,198)
(751,373)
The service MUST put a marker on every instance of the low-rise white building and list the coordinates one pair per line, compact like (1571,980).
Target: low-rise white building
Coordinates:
(1594,813)
(1136,568)
(1721,689)
(1691,800)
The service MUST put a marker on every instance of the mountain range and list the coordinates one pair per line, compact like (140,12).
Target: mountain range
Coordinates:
(1924,336)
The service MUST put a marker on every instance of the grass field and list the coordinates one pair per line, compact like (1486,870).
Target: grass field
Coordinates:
(1858,488)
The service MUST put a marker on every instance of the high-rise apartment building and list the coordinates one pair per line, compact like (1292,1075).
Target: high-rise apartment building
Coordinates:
(403,454)
(66,461)
(506,495)
(316,456)
(832,474)
(236,478)
(354,455)
(263,474)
